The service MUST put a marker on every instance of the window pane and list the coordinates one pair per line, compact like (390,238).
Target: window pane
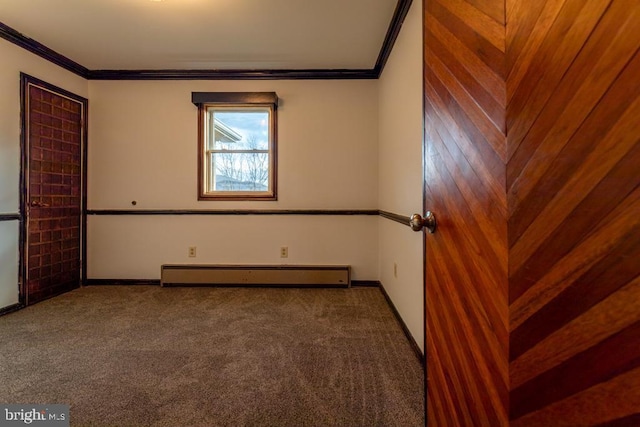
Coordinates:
(239,129)
(240,172)
(238,146)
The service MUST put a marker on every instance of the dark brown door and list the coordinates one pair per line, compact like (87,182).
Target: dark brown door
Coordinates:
(53,153)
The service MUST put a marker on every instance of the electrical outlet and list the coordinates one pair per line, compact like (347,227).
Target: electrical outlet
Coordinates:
(192,251)
(395,270)
(284,252)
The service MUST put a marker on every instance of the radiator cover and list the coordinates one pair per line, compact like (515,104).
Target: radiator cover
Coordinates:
(255,275)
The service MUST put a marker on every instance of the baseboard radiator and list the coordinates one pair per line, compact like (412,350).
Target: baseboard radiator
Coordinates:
(256,275)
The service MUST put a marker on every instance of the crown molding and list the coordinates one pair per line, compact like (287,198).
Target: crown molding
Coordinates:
(42,51)
(402,9)
(33,46)
(315,74)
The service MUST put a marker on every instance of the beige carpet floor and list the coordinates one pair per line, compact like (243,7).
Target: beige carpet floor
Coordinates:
(151,356)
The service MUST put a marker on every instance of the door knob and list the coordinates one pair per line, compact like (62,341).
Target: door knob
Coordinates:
(38,204)
(417,222)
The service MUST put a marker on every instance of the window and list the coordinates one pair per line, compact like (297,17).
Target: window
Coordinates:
(237,145)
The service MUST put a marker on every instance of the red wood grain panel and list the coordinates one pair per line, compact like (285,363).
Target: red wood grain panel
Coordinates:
(593,326)
(494,109)
(523,19)
(488,78)
(609,275)
(494,9)
(492,56)
(481,120)
(478,384)
(478,307)
(573,186)
(486,163)
(487,303)
(564,98)
(632,420)
(580,91)
(607,193)
(481,194)
(482,24)
(587,369)
(467,369)
(571,181)
(465,155)
(561,45)
(611,403)
(605,238)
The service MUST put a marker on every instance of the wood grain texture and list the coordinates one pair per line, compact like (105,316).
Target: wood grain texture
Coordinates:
(572,112)
(560,46)
(486,77)
(600,322)
(531,166)
(611,403)
(600,363)
(589,251)
(465,153)
(573,189)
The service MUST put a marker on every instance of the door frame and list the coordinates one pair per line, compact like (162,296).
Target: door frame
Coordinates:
(26,81)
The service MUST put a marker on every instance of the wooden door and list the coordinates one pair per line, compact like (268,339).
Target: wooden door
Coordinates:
(467,334)
(532,159)
(53,188)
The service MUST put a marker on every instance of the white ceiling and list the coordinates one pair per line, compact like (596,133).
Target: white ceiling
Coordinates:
(206,34)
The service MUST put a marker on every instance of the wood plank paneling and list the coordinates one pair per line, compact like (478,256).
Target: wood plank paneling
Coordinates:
(486,77)
(594,406)
(585,105)
(573,191)
(587,369)
(465,154)
(601,321)
(532,157)
(491,8)
(486,102)
(566,270)
(561,44)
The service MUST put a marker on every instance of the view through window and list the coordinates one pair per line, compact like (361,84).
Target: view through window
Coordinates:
(237,150)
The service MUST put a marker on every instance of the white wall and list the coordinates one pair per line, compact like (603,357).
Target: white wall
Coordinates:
(134,247)
(15,60)
(143,147)
(400,172)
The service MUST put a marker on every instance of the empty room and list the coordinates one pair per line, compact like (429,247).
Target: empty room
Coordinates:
(320,213)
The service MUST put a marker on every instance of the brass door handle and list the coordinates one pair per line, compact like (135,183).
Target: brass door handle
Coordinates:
(417,222)
(38,204)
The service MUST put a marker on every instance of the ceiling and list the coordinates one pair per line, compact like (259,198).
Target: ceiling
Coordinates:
(208,34)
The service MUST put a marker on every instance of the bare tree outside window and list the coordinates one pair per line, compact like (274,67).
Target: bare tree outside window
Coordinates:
(239,150)
(237,139)
(245,171)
